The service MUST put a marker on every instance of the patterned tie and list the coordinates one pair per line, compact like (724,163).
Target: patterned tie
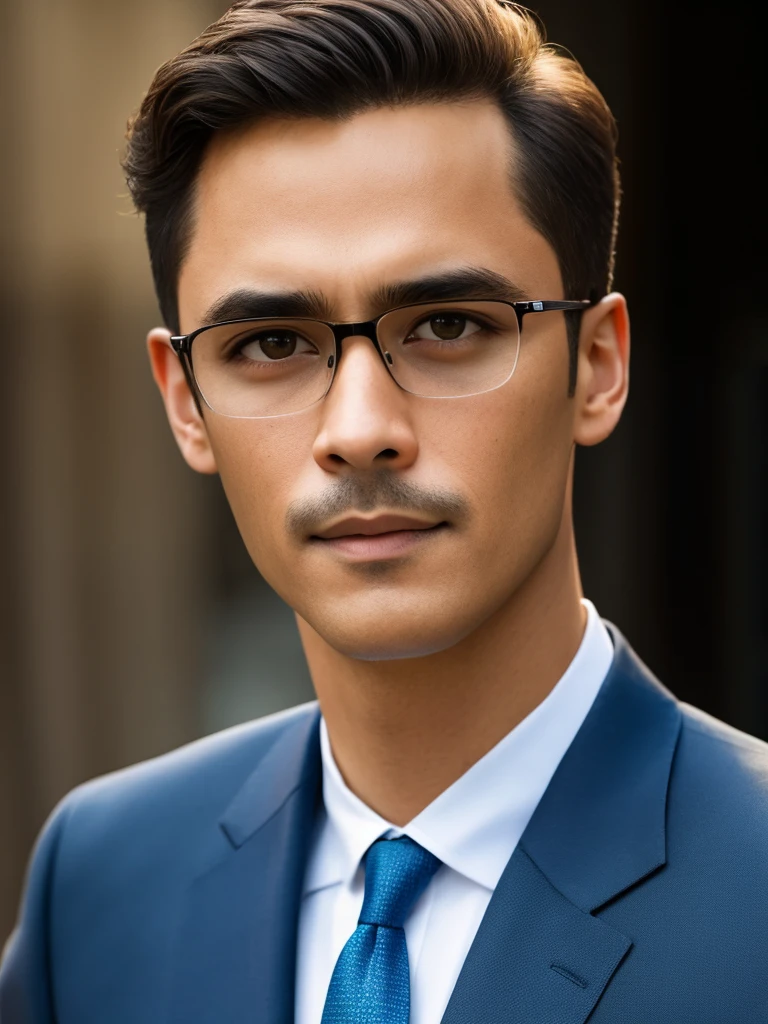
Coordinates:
(370,982)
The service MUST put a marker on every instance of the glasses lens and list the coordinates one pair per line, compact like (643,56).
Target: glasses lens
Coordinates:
(451,349)
(259,368)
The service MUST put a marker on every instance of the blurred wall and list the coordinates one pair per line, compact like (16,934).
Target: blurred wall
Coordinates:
(131,618)
(103,529)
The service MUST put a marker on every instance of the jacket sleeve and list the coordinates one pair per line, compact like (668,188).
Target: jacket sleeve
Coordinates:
(26,993)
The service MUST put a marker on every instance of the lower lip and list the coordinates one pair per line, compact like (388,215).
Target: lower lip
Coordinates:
(380,546)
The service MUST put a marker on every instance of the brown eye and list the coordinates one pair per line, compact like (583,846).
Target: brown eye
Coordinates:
(445,327)
(448,326)
(273,345)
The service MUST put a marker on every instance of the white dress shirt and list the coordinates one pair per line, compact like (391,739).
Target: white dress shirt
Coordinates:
(473,827)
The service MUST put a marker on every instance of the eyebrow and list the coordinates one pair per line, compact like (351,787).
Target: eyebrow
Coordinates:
(461,283)
(248,303)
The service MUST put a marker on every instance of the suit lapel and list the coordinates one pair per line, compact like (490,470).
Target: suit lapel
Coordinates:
(540,954)
(536,957)
(236,953)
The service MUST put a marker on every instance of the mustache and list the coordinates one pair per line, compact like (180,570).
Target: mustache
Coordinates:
(384,490)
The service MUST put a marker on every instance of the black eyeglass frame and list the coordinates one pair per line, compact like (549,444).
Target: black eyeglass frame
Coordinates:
(182,343)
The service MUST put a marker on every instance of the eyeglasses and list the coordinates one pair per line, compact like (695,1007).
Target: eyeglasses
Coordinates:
(273,366)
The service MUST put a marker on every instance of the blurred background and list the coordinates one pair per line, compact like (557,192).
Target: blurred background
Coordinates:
(131,619)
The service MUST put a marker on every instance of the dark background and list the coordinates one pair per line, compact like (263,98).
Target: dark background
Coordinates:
(130,618)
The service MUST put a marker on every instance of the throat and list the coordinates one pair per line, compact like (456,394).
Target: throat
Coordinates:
(402,732)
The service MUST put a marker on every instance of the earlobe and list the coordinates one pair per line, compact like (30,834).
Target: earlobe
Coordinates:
(603,375)
(187,424)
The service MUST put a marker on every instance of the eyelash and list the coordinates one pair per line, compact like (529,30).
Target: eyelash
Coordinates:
(474,318)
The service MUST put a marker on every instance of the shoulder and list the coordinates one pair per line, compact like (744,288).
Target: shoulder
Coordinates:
(718,777)
(219,756)
(719,788)
(709,746)
(177,794)
(116,855)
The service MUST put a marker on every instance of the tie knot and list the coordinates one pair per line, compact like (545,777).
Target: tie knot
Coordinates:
(397,871)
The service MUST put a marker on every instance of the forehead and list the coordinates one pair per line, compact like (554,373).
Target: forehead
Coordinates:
(343,207)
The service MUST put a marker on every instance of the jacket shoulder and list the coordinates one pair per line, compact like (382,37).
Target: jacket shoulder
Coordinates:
(719,786)
(159,818)
(112,863)
(205,772)
(741,756)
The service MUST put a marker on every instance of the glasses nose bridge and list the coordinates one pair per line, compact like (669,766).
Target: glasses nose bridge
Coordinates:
(360,329)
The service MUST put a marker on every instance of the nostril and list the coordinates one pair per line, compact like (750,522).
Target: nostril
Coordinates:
(387,453)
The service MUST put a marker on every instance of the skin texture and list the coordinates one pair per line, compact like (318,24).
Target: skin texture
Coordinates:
(424,662)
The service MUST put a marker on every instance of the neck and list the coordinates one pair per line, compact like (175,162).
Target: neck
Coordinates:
(403,731)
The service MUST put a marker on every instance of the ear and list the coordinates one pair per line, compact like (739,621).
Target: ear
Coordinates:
(184,417)
(603,374)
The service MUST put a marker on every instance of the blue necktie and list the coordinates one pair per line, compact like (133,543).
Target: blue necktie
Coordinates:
(370,982)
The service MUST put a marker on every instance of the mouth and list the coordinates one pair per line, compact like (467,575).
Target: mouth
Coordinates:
(377,538)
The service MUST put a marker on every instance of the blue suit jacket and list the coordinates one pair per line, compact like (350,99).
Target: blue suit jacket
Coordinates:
(638,894)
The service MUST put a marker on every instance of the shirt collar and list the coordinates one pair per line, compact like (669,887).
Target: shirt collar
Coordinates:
(473,826)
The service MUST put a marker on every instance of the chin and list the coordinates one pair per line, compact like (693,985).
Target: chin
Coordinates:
(391,636)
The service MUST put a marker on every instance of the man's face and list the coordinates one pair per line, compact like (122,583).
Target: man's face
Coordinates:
(343,210)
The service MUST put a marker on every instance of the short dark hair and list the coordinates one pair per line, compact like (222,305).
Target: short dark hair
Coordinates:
(335,58)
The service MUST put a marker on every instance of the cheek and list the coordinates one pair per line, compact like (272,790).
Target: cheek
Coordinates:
(510,445)
(510,450)
(259,463)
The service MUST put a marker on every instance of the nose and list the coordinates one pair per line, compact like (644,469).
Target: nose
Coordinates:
(366,418)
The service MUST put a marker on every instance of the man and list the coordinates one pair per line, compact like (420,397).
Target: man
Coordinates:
(382,235)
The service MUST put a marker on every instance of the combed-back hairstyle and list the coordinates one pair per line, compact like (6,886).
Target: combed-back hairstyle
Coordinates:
(335,58)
